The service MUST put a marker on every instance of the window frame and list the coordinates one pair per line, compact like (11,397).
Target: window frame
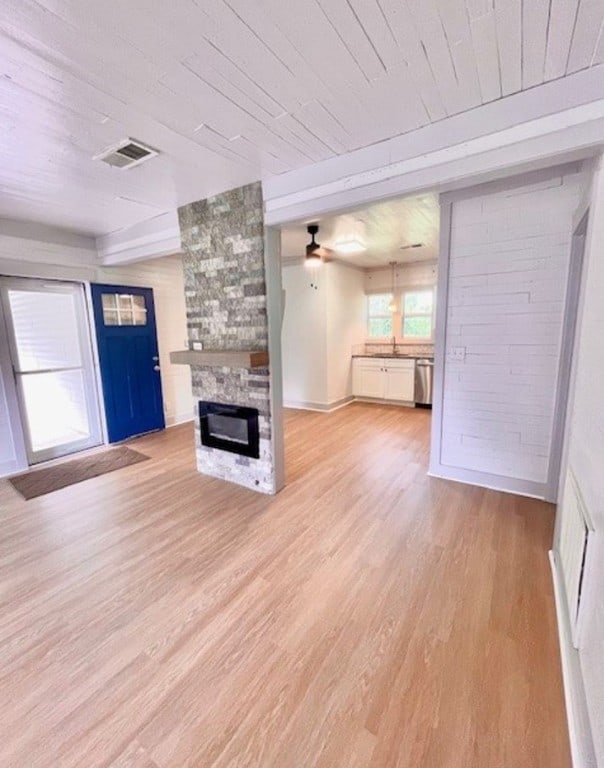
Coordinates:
(381,316)
(404,315)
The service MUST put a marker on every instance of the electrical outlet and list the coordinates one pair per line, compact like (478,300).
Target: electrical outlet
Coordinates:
(197,346)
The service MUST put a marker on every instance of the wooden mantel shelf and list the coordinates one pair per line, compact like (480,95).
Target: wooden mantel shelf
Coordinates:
(219,358)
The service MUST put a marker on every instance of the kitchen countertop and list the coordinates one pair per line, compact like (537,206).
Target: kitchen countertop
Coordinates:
(395,356)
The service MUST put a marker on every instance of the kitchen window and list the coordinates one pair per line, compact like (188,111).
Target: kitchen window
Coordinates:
(379,316)
(417,315)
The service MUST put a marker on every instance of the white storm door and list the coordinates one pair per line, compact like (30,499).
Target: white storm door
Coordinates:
(51,356)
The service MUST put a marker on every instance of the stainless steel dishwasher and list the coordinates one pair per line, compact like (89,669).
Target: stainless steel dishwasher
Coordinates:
(424,369)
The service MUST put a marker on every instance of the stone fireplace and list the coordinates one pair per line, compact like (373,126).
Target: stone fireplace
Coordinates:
(225,287)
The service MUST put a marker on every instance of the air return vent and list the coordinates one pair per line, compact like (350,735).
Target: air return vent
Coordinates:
(126,154)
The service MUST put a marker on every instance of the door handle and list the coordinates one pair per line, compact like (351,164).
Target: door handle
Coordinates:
(156,368)
(155,358)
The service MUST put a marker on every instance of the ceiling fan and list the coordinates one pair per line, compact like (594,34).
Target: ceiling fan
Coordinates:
(315,252)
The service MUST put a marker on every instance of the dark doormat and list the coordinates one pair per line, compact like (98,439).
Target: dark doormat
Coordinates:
(41,481)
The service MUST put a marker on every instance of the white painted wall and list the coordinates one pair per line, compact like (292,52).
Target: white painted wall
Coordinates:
(585,452)
(345,326)
(509,258)
(40,244)
(415,274)
(303,338)
(320,326)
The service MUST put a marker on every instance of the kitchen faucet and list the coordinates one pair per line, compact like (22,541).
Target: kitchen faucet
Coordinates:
(394,345)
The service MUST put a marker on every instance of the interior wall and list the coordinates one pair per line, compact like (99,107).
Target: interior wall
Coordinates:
(325,316)
(303,337)
(508,263)
(413,274)
(585,452)
(39,244)
(346,326)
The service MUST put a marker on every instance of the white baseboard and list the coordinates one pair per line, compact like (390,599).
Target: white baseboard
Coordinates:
(307,405)
(179,418)
(382,401)
(579,728)
(485,480)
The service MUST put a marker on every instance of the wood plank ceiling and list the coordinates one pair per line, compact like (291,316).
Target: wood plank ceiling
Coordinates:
(235,90)
(388,229)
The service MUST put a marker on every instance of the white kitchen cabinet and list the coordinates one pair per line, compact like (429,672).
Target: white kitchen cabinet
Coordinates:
(399,384)
(368,381)
(383,378)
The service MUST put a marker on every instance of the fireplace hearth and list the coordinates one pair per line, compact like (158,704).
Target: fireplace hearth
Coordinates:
(230,428)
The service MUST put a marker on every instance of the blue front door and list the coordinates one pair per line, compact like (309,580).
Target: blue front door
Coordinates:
(129,359)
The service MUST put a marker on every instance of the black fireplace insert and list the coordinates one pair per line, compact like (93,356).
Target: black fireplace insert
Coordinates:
(230,428)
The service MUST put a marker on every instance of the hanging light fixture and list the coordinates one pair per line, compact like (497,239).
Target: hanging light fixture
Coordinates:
(313,249)
(392,307)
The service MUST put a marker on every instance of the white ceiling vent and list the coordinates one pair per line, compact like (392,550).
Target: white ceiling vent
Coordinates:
(126,154)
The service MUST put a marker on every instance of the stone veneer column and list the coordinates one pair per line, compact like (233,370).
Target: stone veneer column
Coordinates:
(225,288)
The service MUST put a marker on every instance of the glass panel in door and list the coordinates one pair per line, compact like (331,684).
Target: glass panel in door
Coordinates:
(52,362)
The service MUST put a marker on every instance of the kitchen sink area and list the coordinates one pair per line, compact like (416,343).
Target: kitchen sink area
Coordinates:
(403,378)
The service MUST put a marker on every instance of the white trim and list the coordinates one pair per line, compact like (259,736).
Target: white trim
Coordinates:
(557,122)
(579,727)
(308,405)
(478,146)
(12,403)
(178,419)
(274,312)
(150,239)
(515,486)
(440,333)
(384,401)
(572,302)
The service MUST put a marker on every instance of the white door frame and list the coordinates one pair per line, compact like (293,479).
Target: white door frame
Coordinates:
(569,333)
(549,489)
(12,402)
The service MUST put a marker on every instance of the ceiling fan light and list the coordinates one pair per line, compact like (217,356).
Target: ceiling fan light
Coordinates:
(312,261)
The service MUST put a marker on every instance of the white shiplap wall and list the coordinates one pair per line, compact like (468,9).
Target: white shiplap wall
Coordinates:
(509,258)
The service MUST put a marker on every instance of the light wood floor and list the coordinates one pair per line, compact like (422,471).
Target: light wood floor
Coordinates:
(367,617)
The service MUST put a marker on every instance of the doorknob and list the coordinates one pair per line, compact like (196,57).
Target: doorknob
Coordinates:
(156,368)
(155,358)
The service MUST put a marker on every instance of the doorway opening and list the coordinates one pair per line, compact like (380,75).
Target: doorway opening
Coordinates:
(358,322)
